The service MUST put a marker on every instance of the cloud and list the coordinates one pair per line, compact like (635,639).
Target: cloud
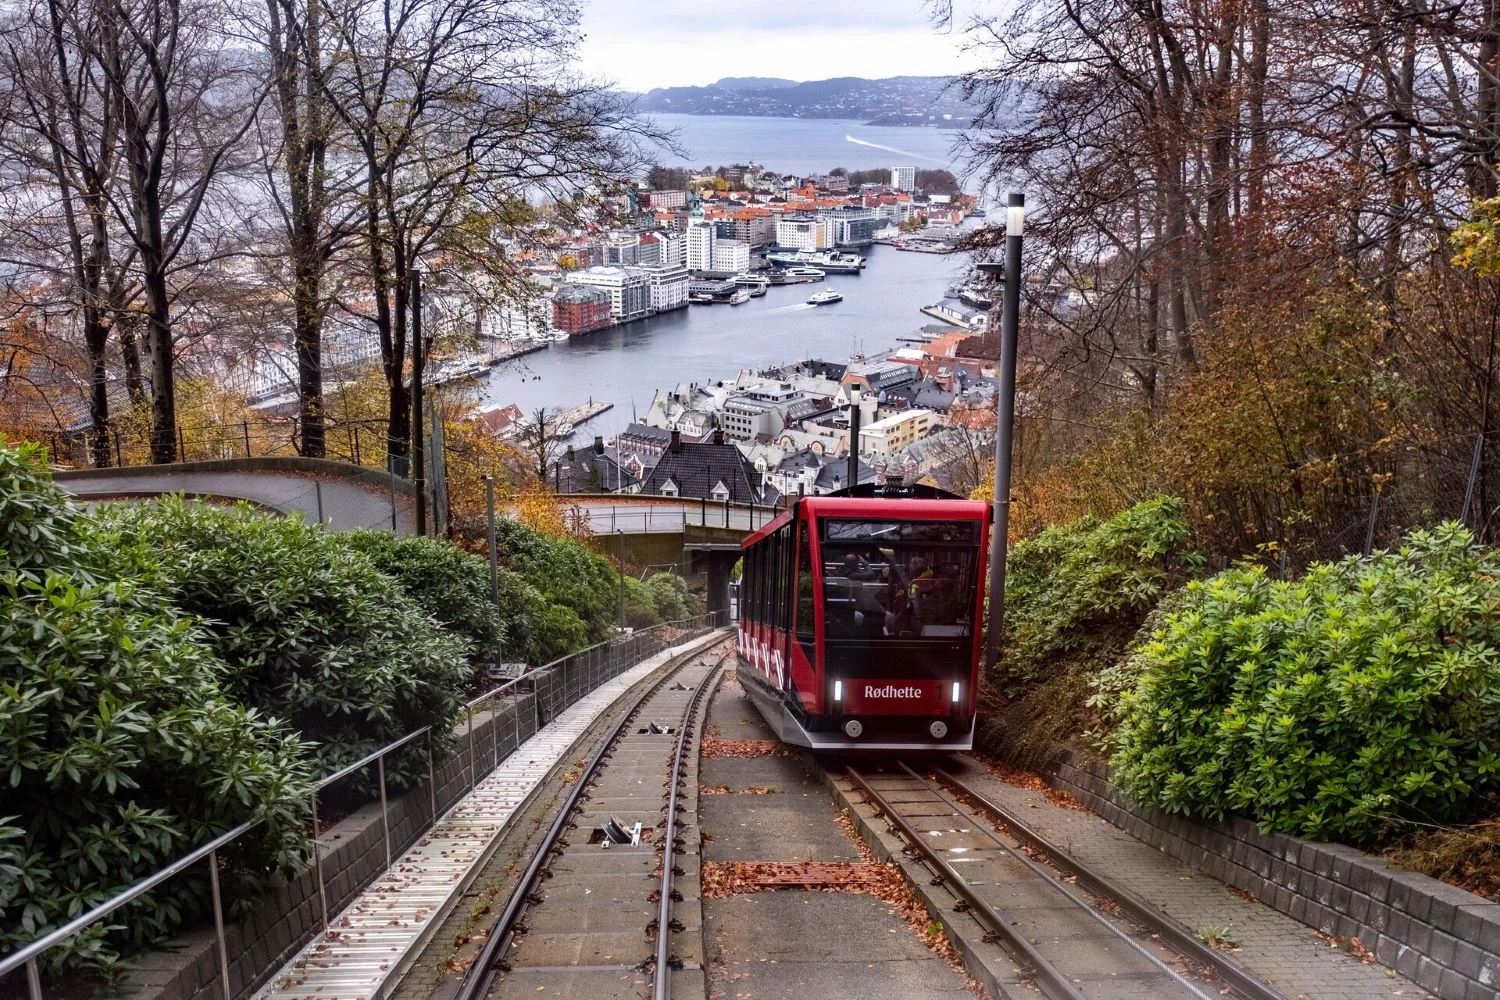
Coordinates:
(665,43)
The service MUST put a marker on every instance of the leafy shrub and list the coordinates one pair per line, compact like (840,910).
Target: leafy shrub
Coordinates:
(120,751)
(639,605)
(566,572)
(1364,693)
(451,585)
(673,599)
(309,629)
(1074,597)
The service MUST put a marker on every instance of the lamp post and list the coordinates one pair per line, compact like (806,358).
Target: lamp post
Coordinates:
(1005,420)
(419,476)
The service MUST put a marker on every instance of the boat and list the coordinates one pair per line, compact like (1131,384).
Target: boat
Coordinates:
(700,299)
(829,261)
(826,297)
(739,295)
(756,284)
(805,274)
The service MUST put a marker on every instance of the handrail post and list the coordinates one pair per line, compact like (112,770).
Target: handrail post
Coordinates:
(213,881)
(385,816)
(431,775)
(318,860)
(472,753)
(33,979)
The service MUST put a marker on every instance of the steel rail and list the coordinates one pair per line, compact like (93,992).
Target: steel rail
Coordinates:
(487,963)
(1137,909)
(661,989)
(1048,976)
(1047,877)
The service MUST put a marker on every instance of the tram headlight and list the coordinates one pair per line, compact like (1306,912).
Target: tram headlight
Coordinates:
(853,728)
(938,729)
(838,690)
(957,690)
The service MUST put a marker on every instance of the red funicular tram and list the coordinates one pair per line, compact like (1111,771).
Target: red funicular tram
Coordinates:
(858,624)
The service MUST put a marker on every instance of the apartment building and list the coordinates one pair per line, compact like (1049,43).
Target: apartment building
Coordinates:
(700,246)
(885,439)
(731,257)
(628,288)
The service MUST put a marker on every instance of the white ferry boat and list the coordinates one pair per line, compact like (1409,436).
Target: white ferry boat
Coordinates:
(830,261)
(826,297)
(739,295)
(806,274)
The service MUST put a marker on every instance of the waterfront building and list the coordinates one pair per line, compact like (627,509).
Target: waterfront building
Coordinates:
(709,470)
(887,438)
(850,226)
(667,199)
(904,178)
(649,254)
(731,257)
(579,308)
(802,232)
(673,246)
(628,288)
(755,226)
(669,287)
(700,246)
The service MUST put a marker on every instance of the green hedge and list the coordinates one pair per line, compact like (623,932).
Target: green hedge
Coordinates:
(309,629)
(1074,597)
(120,751)
(1366,693)
(567,573)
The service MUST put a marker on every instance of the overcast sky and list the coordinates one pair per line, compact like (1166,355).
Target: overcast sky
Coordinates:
(641,44)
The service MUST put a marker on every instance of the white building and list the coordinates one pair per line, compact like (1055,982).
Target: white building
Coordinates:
(801,232)
(673,247)
(731,257)
(668,199)
(887,438)
(628,287)
(669,287)
(700,246)
(623,249)
(904,178)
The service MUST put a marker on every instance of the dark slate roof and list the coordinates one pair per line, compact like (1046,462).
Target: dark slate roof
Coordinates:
(644,433)
(839,468)
(831,370)
(583,470)
(697,467)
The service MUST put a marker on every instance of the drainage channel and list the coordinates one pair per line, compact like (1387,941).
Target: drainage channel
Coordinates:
(1071,950)
(593,912)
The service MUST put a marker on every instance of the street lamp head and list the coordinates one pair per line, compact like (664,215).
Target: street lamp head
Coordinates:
(1015,213)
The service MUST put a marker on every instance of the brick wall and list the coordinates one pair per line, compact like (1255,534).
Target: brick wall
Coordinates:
(1443,938)
(353,855)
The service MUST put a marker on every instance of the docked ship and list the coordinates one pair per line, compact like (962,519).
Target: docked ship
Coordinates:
(792,275)
(828,261)
(755,284)
(826,297)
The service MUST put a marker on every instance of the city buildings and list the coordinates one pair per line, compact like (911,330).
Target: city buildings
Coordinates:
(578,308)
(887,438)
(802,232)
(669,287)
(700,246)
(850,226)
(667,199)
(628,288)
(730,257)
(904,178)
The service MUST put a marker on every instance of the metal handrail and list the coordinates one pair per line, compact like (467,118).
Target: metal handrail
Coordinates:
(16,959)
(28,954)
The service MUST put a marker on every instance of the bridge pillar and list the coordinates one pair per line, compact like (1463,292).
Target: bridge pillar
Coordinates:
(719,565)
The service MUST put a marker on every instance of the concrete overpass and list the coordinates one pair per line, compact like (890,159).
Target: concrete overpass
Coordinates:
(698,535)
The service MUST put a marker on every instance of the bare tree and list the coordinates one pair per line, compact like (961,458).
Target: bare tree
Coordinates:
(461,110)
(538,440)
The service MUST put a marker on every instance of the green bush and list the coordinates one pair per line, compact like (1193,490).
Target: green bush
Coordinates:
(639,605)
(120,753)
(566,572)
(451,585)
(309,629)
(673,599)
(1074,598)
(1365,693)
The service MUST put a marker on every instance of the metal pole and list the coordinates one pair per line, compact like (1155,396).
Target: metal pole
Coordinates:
(33,979)
(393,492)
(1370,528)
(119,462)
(472,752)
(246,425)
(431,776)
(1473,475)
(213,881)
(1005,417)
(620,610)
(318,861)
(489,513)
(318,489)
(854,417)
(385,815)
(419,475)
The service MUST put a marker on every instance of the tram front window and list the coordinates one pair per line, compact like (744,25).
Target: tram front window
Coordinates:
(899,578)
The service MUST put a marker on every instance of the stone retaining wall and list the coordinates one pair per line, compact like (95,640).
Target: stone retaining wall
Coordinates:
(353,855)
(1445,939)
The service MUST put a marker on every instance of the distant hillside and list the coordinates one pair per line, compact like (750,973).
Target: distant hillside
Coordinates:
(753,83)
(898,100)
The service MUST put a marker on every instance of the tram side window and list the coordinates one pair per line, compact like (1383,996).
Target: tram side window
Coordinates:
(806,621)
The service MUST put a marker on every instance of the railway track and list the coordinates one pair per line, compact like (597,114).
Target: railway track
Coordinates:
(1070,945)
(593,913)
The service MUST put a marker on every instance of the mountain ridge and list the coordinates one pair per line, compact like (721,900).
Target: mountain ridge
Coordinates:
(896,100)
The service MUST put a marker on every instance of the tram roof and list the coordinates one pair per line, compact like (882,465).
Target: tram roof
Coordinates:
(892,508)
